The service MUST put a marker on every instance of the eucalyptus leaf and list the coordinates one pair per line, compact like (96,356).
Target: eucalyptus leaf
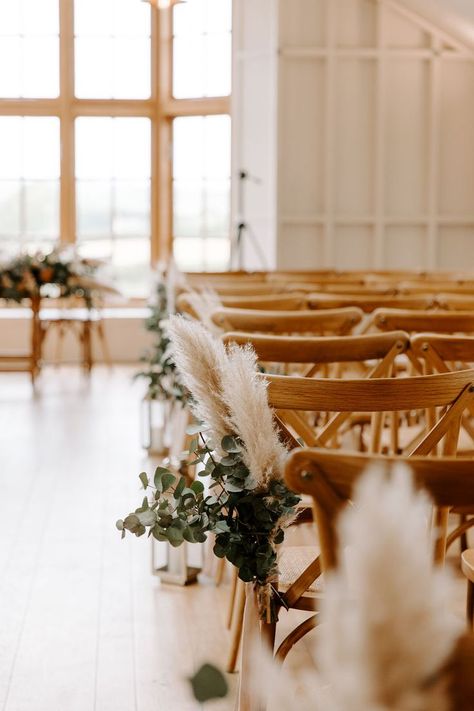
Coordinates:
(175,536)
(197,487)
(144,479)
(167,480)
(179,488)
(160,472)
(147,518)
(230,444)
(209,683)
(188,535)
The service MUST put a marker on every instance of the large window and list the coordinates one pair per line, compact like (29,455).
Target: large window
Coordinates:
(114,131)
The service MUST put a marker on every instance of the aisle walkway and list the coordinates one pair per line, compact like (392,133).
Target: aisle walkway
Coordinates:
(83,624)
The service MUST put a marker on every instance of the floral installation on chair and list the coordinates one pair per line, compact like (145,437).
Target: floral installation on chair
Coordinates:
(27,275)
(247,504)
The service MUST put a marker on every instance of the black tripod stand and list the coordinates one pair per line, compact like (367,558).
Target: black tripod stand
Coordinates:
(243,229)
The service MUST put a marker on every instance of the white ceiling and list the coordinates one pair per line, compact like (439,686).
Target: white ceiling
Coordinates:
(453,16)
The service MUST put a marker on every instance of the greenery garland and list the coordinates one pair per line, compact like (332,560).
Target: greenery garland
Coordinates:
(163,379)
(24,276)
(246,521)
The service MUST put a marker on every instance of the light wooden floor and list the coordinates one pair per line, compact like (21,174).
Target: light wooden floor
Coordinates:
(84,626)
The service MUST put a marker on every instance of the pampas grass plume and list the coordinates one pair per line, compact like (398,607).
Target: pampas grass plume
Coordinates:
(251,418)
(201,361)
(386,629)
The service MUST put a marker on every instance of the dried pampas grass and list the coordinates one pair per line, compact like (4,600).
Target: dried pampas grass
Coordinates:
(250,416)
(386,628)
(229,396)
(201,361)
(383,651)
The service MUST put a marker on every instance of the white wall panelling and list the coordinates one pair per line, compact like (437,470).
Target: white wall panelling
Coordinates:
(357,116)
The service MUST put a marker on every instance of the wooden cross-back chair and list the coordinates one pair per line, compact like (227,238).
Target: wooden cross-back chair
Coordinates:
(329,478)
(333,321)
(456,302)
(423,321)
(277,302)
(341,288)
(247,289)
(290,301)
(298,585)
(450,286)
(371,356)
(312,353)
(319,349)
(369,302)
(451,394)
(443,353)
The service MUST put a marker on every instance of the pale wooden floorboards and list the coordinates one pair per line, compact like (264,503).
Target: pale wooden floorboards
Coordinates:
(83,624)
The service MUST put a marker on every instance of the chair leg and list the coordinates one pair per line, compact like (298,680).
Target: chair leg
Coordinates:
(470,604)
(86,347)
(236,631)
(233,589)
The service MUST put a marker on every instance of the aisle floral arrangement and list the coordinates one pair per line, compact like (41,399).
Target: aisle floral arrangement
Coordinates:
(246,503)
(159,366)
(25,276)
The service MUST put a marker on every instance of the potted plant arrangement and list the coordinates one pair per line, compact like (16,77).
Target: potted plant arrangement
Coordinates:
(164,388)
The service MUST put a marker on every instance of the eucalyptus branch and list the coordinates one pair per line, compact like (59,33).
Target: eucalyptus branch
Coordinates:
(247,524)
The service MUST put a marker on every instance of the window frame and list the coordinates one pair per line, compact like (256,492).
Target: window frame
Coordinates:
(161,108)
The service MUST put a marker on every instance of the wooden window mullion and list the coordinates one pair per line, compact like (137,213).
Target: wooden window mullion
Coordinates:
(67,180)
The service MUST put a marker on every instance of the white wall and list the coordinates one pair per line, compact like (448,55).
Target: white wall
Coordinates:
(254,93)
(373,154)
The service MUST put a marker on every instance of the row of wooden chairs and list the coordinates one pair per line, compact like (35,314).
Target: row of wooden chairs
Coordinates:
(324,382)
(367,302)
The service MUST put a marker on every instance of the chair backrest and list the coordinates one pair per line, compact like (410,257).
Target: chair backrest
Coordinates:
(435,286)
(383,394)
(456,302)
(334,321)
(247,289)
(453,392)
(418,321)
(369,302)
(321,349)
(346,288)
(440,351)
(280,302)
(329,478)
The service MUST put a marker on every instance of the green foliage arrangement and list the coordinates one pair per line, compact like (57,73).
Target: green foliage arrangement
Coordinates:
(246,503)
(247,522)
(160,371)
(25,275)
